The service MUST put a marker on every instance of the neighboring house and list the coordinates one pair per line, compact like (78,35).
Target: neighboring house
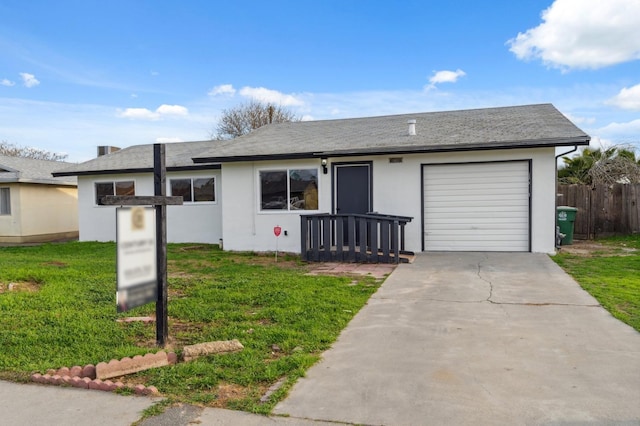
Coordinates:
(34,205)
(473,180)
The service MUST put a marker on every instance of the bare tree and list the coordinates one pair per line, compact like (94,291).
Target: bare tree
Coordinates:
(615,164)
(12,150)
(244,118)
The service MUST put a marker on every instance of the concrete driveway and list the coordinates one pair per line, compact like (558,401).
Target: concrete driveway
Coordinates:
(476,338)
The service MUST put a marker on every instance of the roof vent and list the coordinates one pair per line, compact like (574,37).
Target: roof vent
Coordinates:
(412,127)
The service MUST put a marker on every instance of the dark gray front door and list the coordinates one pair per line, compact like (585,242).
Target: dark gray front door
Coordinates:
(352,194)
(353,188)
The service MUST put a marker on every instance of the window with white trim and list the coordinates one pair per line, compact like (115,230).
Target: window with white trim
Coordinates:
(289,189)
(123,187)
(194,190)
(5,201)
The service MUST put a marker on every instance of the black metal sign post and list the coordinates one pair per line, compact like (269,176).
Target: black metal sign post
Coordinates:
(159,190)
(160,202)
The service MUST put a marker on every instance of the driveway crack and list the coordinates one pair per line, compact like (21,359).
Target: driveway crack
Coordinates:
(488,299)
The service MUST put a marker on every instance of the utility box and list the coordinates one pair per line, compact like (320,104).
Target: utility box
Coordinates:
(566,219)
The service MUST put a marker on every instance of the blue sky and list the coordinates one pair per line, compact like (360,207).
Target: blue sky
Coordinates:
(78,74)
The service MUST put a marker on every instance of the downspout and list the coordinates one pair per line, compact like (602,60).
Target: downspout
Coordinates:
(555,213)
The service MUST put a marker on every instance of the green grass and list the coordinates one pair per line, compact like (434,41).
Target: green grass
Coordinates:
(611,274)
(61,312)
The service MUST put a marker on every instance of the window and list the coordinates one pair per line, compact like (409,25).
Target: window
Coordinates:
(5,201)
(125,187)
(194,190)
(293,189)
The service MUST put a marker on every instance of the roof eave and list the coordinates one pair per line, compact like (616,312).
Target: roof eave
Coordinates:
(136,170)
(540,143)
(40,182)
(264,157)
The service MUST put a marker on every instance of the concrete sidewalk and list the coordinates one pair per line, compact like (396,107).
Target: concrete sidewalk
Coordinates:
(38,405)
(476,338)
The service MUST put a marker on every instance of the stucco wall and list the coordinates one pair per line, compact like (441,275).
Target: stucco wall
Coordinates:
(40,213)
(191,222)
(396,190)
(248,228)
(11,225)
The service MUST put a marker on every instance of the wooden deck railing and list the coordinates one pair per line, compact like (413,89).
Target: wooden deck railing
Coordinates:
(359,238)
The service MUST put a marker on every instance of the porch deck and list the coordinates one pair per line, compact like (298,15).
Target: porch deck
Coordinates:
(368,238)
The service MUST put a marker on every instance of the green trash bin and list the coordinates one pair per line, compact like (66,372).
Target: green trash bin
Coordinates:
(566,218)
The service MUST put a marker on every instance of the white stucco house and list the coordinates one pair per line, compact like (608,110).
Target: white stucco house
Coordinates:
(34,206)
(472,180)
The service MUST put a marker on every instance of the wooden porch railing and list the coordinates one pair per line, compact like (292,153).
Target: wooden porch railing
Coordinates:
(356,238)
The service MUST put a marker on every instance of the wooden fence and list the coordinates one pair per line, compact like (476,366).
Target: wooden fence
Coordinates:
(603,210)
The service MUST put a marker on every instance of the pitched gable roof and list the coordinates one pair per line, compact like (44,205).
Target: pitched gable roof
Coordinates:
(478,129)
(27,170)
(139,159)
(490,128)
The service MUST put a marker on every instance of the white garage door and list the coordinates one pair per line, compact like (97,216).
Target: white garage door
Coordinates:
(476,206)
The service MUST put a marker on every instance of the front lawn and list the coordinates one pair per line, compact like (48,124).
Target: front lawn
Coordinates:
(57,308)
(609,269)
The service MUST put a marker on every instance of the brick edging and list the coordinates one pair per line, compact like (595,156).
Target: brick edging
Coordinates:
(85,377)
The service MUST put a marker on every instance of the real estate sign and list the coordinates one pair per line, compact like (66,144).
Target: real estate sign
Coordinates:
(137,272)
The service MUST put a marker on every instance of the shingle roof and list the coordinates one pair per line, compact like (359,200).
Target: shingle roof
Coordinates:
(27,170)
(477,129)
(139,158)
(490,128)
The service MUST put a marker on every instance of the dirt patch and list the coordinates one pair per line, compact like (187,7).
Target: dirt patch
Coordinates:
(191,248)
(226,392)
(181,275)
(56,264)
(19,286)
(588,248)
(282,262)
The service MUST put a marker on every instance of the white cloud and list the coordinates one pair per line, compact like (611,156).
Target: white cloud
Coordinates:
(172,110)
(628,98)
(7,83)
(29,80)
(444,76)
(583,34)
(147,114)
(138,113)
(270,96)
(630,129)
(223,89)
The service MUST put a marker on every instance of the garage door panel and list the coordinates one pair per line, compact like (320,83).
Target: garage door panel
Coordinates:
(478,246)
(456,169)
(471,190)
(452,179)
(485,229)
(499,240)
(485,215)
(459,208)
(476,206)
(443,233)
(447,178)
(478,222)
(505,202)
